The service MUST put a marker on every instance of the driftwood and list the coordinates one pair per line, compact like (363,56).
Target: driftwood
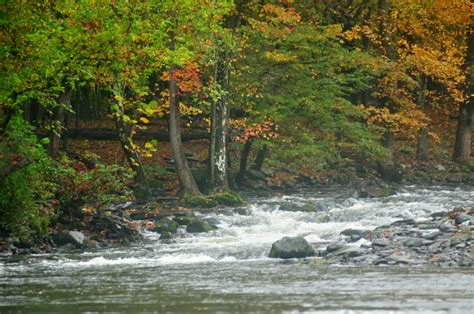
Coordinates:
(6,171)
(106,134)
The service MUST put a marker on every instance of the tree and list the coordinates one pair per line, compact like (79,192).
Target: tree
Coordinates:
(296,73)
(188,32)
(462,146)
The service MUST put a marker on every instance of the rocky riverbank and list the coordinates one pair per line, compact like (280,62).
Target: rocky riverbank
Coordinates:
(447,239)
(114,226)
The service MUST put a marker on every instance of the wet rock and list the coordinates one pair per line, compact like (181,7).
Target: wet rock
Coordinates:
(198,226)
(446,228)
(165,225)
(465,263)
(384,253)
(165,235)
(185,220)
(462,218)
(415,242)
(380,242)
(351,232)
(291,207)
(35,250)
(355,237)
(348,252)
(74,238)
(242,211)
(332,247)
(400,259)
(403,222)
(291,247)
(437,215)
(433,235)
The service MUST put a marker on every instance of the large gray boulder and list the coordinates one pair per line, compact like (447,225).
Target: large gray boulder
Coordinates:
(291,247)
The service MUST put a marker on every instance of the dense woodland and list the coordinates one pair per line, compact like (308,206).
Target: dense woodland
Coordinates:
(98,98)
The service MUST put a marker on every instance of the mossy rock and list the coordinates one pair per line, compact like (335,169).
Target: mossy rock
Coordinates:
(166,225)
(228,198)
(199,201)
(200,226)
(185,220)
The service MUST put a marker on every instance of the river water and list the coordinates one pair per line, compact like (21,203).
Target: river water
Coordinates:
(228,270)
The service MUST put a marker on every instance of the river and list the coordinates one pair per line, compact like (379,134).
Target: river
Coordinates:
(228,270)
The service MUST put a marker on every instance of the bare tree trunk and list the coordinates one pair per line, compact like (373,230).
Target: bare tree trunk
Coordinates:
(129,150)
(188,185)
(262,153)
(57,123)
(462,146)
(244,157)
(217,153)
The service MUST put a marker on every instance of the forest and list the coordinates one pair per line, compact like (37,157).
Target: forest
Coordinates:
(99,98)
(199,132)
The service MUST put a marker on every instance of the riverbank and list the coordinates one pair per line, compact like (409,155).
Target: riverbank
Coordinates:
(445,239)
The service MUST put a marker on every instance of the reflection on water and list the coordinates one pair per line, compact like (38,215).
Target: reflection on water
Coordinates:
(227,270)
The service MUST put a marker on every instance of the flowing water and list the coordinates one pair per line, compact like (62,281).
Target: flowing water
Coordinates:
(228,270)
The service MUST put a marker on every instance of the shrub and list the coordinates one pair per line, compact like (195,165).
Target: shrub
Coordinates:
(26,196)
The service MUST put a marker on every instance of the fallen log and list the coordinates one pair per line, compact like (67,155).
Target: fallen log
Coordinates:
(105,134)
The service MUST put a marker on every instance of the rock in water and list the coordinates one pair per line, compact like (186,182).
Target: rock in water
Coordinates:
(291,247)
(75,238)
(200,226)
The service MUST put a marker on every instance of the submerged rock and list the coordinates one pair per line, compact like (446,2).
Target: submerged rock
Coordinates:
(291,247)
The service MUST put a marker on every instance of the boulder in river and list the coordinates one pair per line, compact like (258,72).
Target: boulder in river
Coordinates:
(200,226)
(75,238)
(291,247)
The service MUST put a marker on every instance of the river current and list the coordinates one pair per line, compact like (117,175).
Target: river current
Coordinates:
(228,270)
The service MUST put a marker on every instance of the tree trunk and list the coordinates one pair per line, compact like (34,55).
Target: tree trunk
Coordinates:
(217,153)
(388,142)
(129,150)
(188,185)
(244,157)
(57,123)
(262,153)
(462,146)
(422,149)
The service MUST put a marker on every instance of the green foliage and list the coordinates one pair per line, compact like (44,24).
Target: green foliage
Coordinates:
(305,81)
(25,195)
(95,187)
